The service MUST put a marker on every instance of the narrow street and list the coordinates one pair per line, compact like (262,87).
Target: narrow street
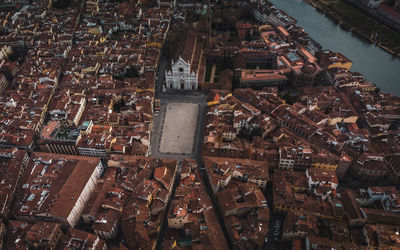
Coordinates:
(161,75)
(275,230)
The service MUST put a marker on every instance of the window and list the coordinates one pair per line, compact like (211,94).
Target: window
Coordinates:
(180,69)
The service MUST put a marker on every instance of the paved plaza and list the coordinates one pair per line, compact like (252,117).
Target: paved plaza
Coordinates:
(179,128)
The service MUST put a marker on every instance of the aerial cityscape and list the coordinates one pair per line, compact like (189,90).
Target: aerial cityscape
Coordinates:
(200,124)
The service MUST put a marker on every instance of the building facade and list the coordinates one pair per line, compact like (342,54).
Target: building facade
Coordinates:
(181,76)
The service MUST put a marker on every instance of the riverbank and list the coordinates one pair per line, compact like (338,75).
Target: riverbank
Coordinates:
(360,24)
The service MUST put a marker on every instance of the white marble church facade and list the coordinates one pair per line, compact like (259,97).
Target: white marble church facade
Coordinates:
(181,76)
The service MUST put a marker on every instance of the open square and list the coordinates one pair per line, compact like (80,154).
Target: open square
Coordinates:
(179,128)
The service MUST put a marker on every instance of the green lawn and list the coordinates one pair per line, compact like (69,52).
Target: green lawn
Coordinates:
(208,73)
(62,135)
(216,75)
(367,25)
(356,18)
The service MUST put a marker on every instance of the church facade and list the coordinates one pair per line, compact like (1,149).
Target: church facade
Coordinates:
(181,76)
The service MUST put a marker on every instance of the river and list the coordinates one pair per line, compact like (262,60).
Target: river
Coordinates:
(375,64)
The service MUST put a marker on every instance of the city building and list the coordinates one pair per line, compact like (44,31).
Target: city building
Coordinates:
(262,78)
(13,163)
(332,60)
(150,184)
(78,239)
(78,97)
(186,69)
(44,235)
(56,187)
(191,210)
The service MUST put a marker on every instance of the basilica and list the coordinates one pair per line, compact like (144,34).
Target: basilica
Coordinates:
(184,72)
(181,76)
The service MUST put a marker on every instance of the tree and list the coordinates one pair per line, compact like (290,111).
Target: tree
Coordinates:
(248,37)
(118,105)
(288,98)
(131,72)
(61,4)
